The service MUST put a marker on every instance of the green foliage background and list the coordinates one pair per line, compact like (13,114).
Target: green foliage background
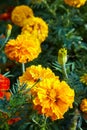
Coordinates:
(67,28)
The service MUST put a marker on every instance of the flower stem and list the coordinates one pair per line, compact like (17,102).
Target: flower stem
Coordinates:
(44,125)
(74,122)
(23,67)
(64,71)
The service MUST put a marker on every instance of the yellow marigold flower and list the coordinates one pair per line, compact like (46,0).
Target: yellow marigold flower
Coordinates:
(62,56)
(23,49)
(83,105)
(20,13)
(37,27)
(33,73)
(75,3)
(53,98)
(83,78)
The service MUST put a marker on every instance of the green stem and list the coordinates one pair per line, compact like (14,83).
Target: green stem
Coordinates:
(44,123)
(64,71)
(74,122)
(23,67)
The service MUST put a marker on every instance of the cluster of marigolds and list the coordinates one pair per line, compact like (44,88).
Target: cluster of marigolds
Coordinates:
(52,97)
(34,31)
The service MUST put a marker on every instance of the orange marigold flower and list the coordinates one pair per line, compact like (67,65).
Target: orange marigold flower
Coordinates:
(5,16)
(33,73)
(83,105)
(83,78)
(20,13)
(37,27)
(23,49)
(13,120)
(75,3)
(4,85)
(53,98)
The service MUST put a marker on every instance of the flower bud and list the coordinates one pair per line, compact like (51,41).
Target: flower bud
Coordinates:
(9,28)
(62,56)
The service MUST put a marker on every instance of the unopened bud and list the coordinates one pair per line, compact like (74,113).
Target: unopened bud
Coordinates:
(62,56)
(9,28)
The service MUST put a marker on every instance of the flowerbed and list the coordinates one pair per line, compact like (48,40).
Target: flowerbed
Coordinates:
(43,65)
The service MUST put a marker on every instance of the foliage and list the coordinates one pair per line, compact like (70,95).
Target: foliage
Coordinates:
(67,29)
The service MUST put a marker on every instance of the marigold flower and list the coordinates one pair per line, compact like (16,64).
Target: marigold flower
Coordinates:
(83,105)
(13,120)
(23,49)
(53,98)
(4,85)
(33,73)
(37,27)
(62,56)
(75,3)
(20,13)
(5,16)
(83,78)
